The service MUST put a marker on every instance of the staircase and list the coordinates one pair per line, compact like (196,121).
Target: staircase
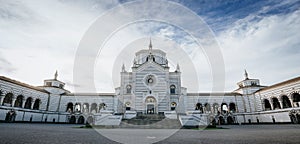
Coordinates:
(152,121)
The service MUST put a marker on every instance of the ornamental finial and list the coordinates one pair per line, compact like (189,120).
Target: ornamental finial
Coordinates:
(55,75)
(246,74)
(150,46)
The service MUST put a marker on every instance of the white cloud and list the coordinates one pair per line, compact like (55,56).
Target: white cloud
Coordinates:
(268,48)
(38,37)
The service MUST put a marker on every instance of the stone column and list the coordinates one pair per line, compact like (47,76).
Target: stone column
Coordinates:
(13,102)
(271,103)
(90,106)
(32,103)
(291,101)
(23,103)
(280,104)
(1,99)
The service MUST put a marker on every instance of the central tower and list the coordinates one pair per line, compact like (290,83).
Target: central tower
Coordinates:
(150,88)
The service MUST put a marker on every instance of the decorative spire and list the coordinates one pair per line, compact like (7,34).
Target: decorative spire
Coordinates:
(123,68)
(55,75)
(177,68)
(246,74)
(150,47)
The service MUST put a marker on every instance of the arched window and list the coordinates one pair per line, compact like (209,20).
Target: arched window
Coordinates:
(286,103)
(36,105)
(276,104)
(172,89)
(77,107)
(69,107)
(19,101)
(102,106)
(8,99)
(150,100)
(173,106)
(85,108)
(224,108)
(232,107)
(128,106)
(94,108)
(128,89)
(296,99)
(207,107)
(199,107)
(215,108)
(267,104)
(28,103)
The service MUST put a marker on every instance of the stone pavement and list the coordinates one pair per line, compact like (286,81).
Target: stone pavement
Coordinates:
(63,133)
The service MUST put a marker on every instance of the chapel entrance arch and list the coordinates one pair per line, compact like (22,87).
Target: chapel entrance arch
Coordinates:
(151,105)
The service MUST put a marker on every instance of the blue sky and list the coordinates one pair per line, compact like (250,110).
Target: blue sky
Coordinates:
(39,37)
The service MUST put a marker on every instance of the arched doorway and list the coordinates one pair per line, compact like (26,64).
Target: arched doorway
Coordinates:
(19,101)
(10,116)
(80,120)
(276,104)
(72,120)
(8,99)
(267,105)
(230,120)
(90,120)
(296,99)
(150,105)
(36,105)
(221,120)
(285,102)
(28,103)
(293,119)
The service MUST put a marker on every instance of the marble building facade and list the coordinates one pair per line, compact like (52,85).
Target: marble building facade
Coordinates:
(150,88)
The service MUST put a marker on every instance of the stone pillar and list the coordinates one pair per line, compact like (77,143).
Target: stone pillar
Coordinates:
(13,102)
(90,106)
(291,101)
(280,104)
(73,110)
(32,103)
(271,103)
(1,99)
(23,102)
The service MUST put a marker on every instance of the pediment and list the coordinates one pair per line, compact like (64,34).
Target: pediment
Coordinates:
(151,65)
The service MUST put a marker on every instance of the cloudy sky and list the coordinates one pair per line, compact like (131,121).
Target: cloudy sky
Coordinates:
(39,37)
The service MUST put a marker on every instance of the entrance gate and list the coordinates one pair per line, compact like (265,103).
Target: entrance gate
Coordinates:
(150,105)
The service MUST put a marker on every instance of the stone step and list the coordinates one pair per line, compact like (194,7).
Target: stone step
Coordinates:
(149,117)
(151,124)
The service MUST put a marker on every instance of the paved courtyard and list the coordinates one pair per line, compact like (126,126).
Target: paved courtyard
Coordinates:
(59,133)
